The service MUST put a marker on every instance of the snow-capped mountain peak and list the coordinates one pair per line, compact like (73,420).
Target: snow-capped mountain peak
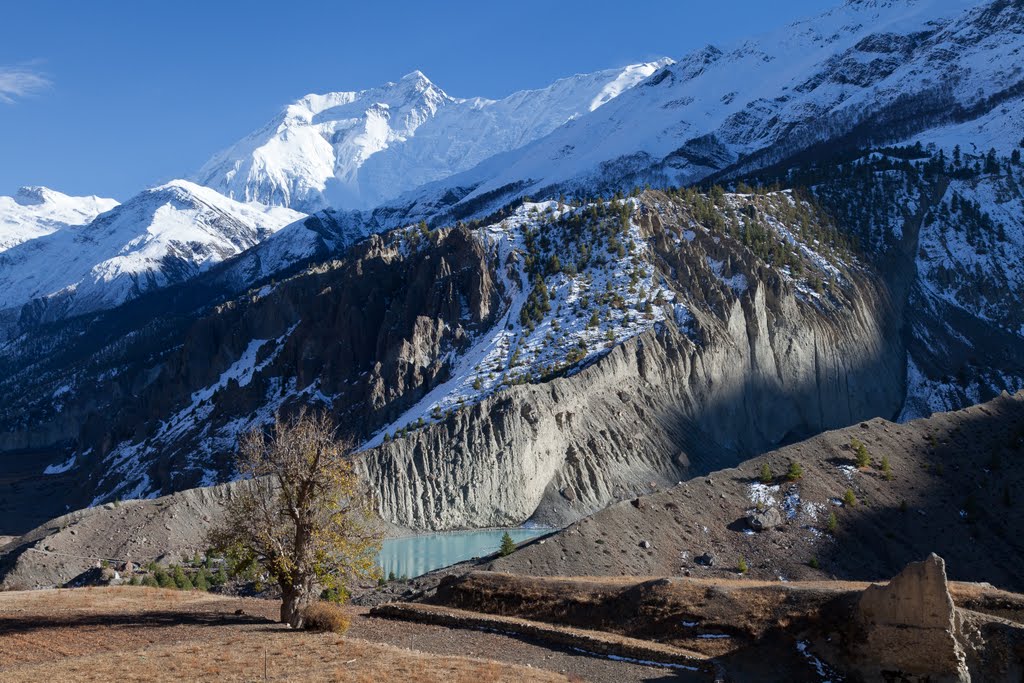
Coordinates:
(35,211)
(160,236)
(356,149)
(34,195)
(853,70)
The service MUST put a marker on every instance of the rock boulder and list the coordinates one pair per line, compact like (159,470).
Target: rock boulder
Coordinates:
(763,520)
(910,628)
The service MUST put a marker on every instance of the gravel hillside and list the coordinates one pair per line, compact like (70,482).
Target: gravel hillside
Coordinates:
(954,490)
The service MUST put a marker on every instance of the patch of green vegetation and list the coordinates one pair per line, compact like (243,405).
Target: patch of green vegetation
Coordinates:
(508,546)
(860,452)
(795,471)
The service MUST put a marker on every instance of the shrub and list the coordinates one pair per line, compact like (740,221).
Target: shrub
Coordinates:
(814,564)
(326,616)
(221,577)
(575,355)
(886,469)
(766,474)
(849,499)
(150,581)
(833,523)
(181,580)
(863,457)
(795,471)
(508,546)
(741,566)
(163,579)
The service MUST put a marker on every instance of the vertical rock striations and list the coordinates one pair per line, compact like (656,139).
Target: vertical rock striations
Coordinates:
(654,410)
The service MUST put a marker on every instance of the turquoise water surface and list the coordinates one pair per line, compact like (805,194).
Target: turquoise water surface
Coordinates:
(415,555)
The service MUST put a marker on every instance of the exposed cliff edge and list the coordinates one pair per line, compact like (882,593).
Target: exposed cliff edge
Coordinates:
(544,363)
(657,409)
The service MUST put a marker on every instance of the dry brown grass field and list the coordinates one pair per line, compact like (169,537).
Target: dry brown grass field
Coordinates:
(128,633)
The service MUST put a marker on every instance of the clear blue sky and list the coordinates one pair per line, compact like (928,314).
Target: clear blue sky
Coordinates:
(142,92)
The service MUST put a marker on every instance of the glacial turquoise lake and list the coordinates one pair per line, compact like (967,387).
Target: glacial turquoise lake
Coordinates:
(415,555)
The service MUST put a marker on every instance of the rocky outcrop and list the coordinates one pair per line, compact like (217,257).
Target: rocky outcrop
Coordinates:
(363,337)
(911,627)
(918,628)
(731,356)
(655,410)
(762,520)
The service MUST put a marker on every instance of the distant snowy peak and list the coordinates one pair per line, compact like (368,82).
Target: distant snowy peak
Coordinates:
(36,211)
(858,74)
(357,149)
(161,236)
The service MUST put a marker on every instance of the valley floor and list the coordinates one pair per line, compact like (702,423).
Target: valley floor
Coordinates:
(133,633)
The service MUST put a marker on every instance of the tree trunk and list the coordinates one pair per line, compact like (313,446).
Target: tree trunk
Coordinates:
(294,601)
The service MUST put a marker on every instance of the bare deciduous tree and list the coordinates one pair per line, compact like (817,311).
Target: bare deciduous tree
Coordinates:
(305,519)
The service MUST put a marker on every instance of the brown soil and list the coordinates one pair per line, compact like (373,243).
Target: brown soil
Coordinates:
(150,634)
(711,617)
(955,490)
(597,642)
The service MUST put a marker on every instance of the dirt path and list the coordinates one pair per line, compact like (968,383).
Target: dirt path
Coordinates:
(511,649)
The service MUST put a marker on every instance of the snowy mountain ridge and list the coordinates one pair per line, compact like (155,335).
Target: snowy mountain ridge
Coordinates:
(36,211)
(358,149)
(160,236)
(392,137)
(859,71)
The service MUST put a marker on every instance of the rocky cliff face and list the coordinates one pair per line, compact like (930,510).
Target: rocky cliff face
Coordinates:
(945,229)
(748,368)
(361,337)
(655,410)
(549,361)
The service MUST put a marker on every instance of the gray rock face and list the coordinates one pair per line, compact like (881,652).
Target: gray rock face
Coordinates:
(736,357)
(764,520)
(911,627)
(657,408)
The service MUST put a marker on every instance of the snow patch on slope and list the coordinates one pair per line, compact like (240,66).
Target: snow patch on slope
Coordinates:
(127,464)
